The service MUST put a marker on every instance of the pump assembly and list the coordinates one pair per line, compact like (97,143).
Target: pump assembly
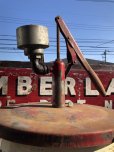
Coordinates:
(33,39)
(55,125)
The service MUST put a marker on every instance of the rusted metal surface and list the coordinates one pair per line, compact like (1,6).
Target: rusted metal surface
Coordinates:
(42,125)
(69,38)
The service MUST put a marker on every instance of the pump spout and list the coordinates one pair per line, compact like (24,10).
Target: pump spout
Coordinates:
(38,66)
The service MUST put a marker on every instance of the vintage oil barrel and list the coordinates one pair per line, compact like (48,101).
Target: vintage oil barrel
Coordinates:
(40,127)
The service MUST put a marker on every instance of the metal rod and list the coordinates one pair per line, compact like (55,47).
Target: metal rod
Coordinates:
(58,43)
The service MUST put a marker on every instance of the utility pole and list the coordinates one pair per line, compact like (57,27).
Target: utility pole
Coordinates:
(105,55)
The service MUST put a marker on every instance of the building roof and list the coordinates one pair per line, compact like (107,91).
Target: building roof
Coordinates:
(95,64)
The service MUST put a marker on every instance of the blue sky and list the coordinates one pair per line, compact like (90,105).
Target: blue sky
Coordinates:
(91,22)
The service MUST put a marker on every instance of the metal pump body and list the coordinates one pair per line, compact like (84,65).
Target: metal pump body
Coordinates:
(33,39)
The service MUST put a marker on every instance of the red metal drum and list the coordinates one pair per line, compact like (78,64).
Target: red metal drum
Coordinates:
(77,127)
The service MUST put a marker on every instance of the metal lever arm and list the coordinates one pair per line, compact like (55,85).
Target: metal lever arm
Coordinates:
(72,43)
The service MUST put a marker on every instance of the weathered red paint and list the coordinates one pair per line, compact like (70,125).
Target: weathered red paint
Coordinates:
(58,84)
(42,125)
(78,75)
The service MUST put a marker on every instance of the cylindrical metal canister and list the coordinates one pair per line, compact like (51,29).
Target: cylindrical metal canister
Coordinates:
(32,36)
(58,84)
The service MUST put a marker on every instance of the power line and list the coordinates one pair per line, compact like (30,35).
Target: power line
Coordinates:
(51,24)
(105,43)
(5,45)
(52,53)
(98,1)
(63,51)
(79,40)
(4,35)
(53,39)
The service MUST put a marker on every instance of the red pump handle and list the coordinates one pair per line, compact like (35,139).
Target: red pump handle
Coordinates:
(74,51)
